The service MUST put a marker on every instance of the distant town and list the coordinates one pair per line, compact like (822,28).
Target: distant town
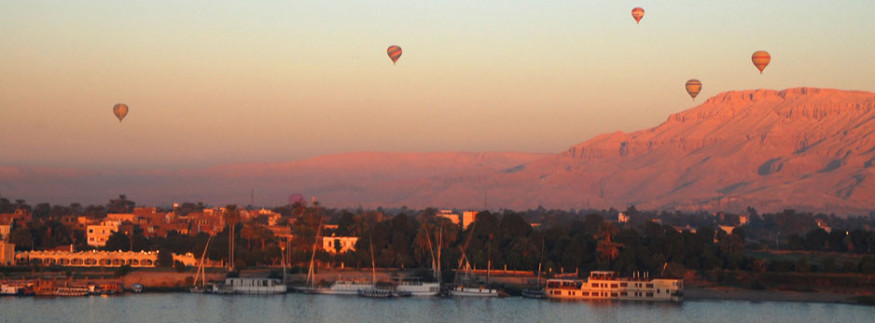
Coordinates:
(750,250)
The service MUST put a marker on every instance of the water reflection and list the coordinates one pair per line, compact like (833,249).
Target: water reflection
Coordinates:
(324,308)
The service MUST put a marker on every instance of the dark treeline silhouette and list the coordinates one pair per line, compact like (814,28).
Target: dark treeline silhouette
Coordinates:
(659,243)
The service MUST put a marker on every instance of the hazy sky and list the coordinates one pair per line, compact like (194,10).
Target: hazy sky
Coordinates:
(214,82)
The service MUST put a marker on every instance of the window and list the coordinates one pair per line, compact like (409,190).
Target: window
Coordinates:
(624,294)
(594,285)
(624,284)
(649,294)
(584,294)
(649,285)
(613,285)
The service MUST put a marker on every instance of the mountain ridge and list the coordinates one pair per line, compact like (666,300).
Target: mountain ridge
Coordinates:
(804,148)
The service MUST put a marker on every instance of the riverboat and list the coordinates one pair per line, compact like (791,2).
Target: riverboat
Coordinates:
(16,289)
(72,291)
(340,287)
(416,287)
(482,291)
(247,286)
(607,285)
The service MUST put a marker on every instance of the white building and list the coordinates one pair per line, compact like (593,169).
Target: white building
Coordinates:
(98,234)
(346,244)
(468,217)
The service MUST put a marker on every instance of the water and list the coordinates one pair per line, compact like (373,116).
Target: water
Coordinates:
(182,307)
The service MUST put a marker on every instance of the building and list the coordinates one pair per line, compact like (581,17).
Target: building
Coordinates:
(5,230)
(347,244)
(468,217)
(97,235)
(122,217)
(449,215)
(7,253)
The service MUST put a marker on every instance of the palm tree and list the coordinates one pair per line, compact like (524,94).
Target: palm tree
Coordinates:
(232,217)
(607,249)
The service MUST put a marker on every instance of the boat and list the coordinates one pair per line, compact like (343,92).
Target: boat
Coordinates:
(538,291)
(72,291)
(247,285)
(534,293)
(607,285)
(202,288)
(416,287)
(375,291)
(16,289)
(339,287)
(137,288)
(482,291)
(107,288)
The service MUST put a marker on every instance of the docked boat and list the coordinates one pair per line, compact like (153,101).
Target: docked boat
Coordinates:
(375,292)
(416,287)
(607,285)
(462,291)
(340,287)
(534,293)
(72,291)
(247,286)
(16,289)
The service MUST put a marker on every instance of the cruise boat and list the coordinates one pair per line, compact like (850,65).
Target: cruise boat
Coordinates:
(607,285)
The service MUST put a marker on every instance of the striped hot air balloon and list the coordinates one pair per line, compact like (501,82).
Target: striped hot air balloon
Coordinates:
(638,13)
(693,87)
(120,110)
(394,52)
(761,59)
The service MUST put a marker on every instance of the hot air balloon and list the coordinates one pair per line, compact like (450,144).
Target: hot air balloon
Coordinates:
(693,87)
(394,52)
(638,13)
(761,59)
(120,110)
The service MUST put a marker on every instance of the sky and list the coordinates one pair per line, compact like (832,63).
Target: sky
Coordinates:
(218,82)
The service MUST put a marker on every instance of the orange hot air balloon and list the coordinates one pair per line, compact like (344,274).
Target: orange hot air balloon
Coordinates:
(638,13)
(394,52)
(120,110)
(693,87)
(761,59)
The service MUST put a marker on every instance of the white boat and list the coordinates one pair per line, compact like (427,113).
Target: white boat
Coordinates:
(340,287)
(606,285)
(248,286)
(462,291)
(417,288)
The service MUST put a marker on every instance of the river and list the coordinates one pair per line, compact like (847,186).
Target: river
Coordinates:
(182,307)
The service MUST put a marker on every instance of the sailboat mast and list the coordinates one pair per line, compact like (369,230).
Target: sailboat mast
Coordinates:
(311,273)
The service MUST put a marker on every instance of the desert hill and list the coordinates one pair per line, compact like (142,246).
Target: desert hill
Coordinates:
(804,148)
